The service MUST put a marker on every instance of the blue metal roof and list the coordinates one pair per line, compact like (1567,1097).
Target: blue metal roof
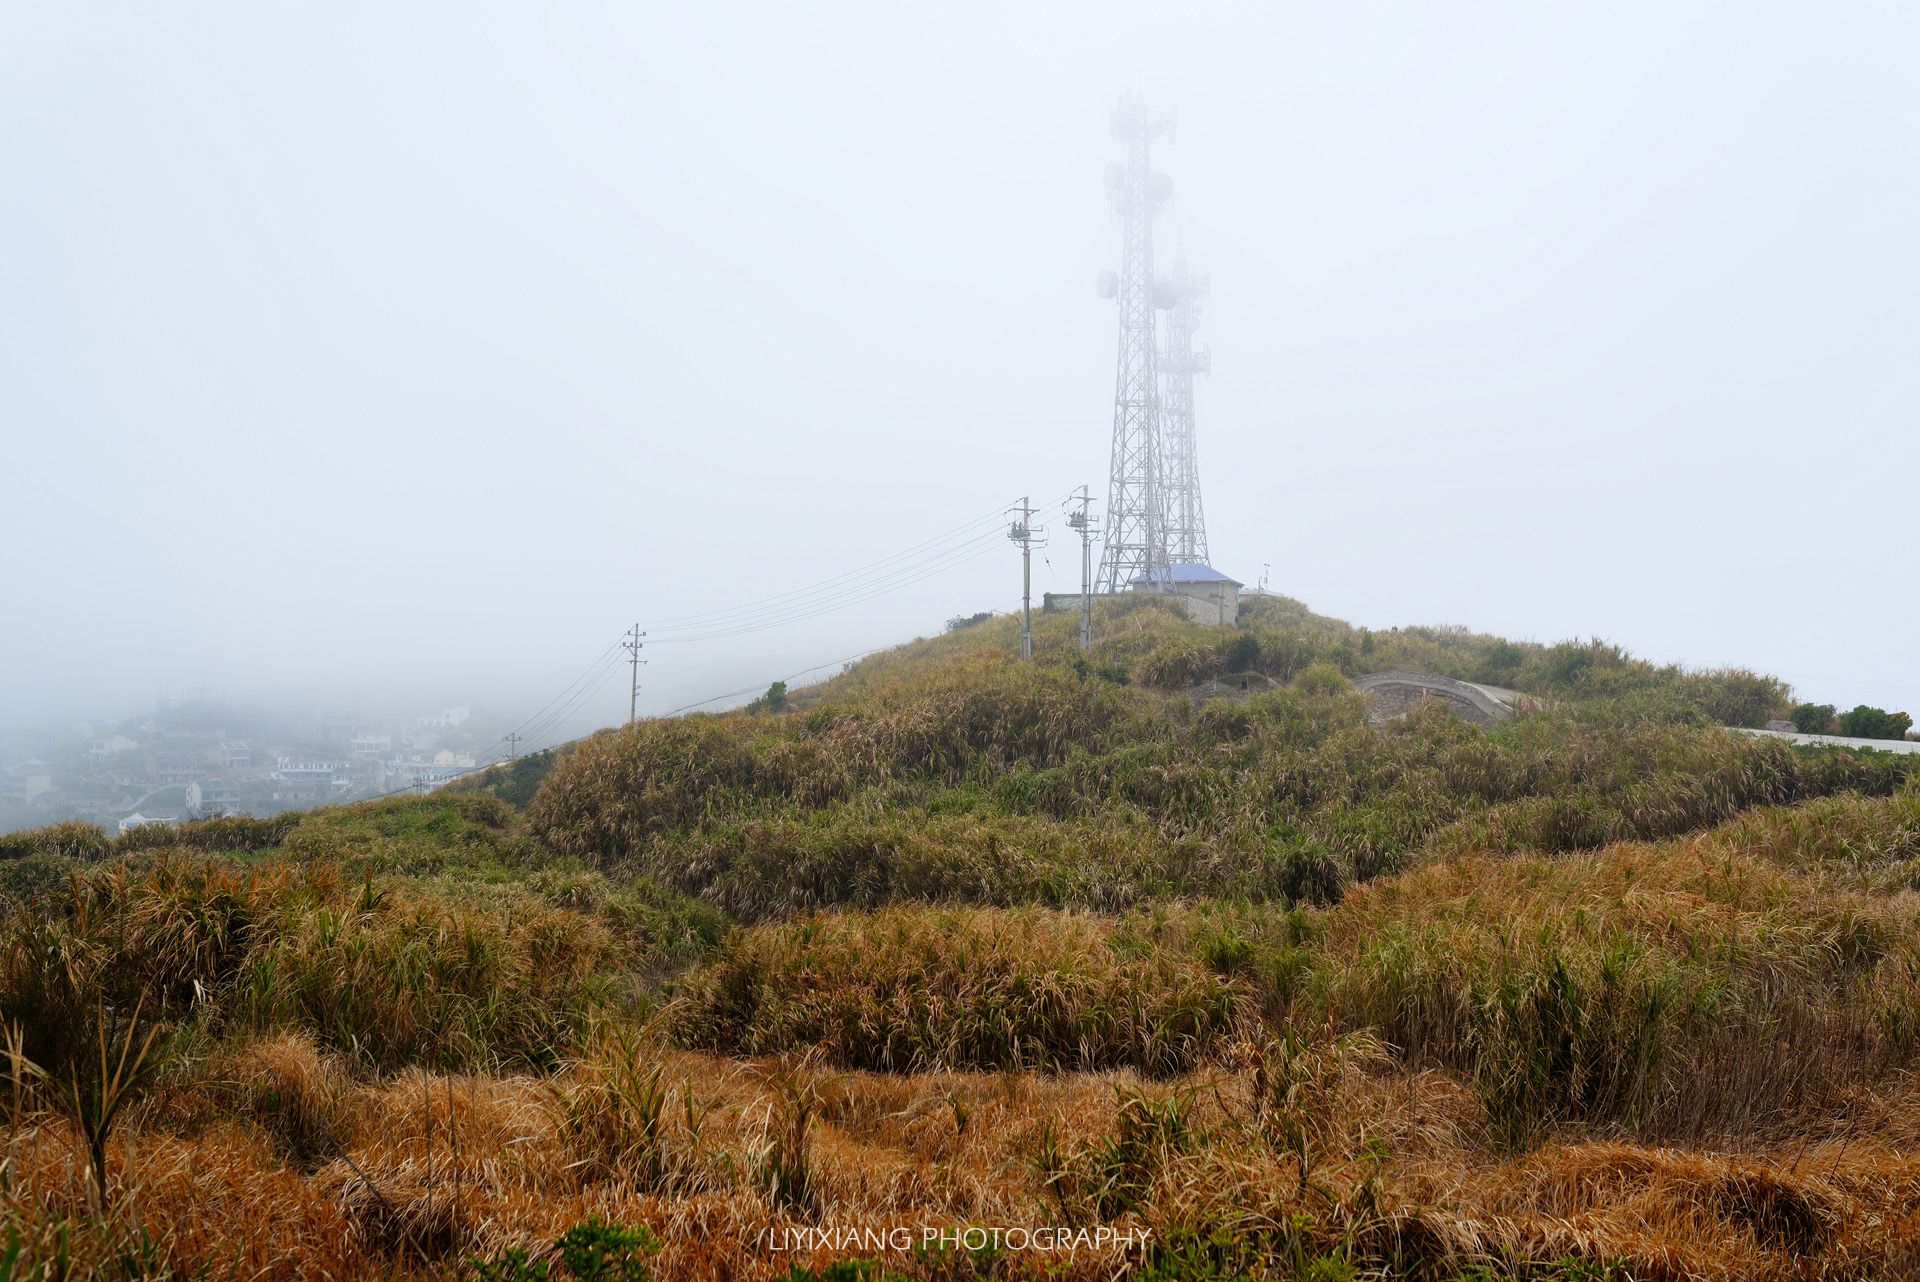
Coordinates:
(1187,572)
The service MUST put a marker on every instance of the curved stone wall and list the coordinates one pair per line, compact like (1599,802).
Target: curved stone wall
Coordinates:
(1394,694)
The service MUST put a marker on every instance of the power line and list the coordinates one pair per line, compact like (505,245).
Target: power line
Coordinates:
(752,689)
(926,570)
(922,561)
(513,737)
(710,617)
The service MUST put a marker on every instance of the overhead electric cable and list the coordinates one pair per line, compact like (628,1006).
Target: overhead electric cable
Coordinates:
(704,618)
(921,572)
(913,565)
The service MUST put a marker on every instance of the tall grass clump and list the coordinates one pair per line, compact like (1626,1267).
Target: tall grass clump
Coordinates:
(907,989)
(384,976)
(1675,991)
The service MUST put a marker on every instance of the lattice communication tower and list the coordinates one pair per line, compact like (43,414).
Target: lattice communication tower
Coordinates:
(1179,362)
(1137,518)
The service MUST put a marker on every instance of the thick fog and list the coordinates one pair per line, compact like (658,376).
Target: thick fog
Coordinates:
(416,351)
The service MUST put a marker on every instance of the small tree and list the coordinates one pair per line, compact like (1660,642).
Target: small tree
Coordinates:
(774,700)
(1243,653)
(1875,723)
(1322,678)
(1812,718)
(1502,662)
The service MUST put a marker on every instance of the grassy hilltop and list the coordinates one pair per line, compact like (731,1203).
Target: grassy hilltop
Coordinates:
(953,940)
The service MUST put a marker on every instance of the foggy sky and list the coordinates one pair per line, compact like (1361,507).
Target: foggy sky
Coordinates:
(424,348)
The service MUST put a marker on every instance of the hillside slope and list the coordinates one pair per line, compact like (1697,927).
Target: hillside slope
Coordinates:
(1243,989)
(948,770)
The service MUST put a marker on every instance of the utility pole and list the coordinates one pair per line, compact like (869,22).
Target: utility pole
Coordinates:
(1022,533)
(633,645)
(1083,522)
(513,744)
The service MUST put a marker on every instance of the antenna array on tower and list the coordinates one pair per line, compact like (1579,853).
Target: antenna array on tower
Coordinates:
(1179,362)
(1154,514)
(1136,505)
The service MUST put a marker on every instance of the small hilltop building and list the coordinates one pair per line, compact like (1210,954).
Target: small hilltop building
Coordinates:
(1208,595)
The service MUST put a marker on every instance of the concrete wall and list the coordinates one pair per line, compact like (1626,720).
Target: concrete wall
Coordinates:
(1394,694)
(1210,603)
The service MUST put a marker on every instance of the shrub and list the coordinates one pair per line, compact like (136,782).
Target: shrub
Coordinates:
(774,700)
(1322,678)
(1737,697)
(1243,652)
(1874,723)
(1813,718)
(1502,663)
(514,782)
(597,1252)
(118,938)
(590,1251)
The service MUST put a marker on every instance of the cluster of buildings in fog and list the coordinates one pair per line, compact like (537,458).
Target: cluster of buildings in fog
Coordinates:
(201,756)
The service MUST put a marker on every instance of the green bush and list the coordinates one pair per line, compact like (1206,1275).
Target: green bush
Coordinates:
(1502,664)
(590,1251)
(774,700)
(1322,678)
(514,782)
(1874,723)
(1813,718)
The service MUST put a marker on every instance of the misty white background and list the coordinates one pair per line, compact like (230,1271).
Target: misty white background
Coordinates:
(412,348)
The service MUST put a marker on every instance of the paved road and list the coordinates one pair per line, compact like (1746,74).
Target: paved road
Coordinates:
(1842,741)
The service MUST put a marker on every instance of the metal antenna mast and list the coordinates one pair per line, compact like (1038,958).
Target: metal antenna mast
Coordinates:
(1136,542)
(633,645)
(1082,522)
(1186,518)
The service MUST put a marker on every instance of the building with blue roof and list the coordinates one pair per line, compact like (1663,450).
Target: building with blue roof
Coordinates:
(1208,595)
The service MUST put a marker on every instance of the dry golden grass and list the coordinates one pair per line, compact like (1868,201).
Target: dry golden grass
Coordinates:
(1393,1162)
(1689,1059)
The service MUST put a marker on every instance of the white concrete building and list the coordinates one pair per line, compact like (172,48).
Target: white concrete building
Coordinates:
(1209,596)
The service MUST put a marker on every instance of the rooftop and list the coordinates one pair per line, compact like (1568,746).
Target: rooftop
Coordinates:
(1187,572)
